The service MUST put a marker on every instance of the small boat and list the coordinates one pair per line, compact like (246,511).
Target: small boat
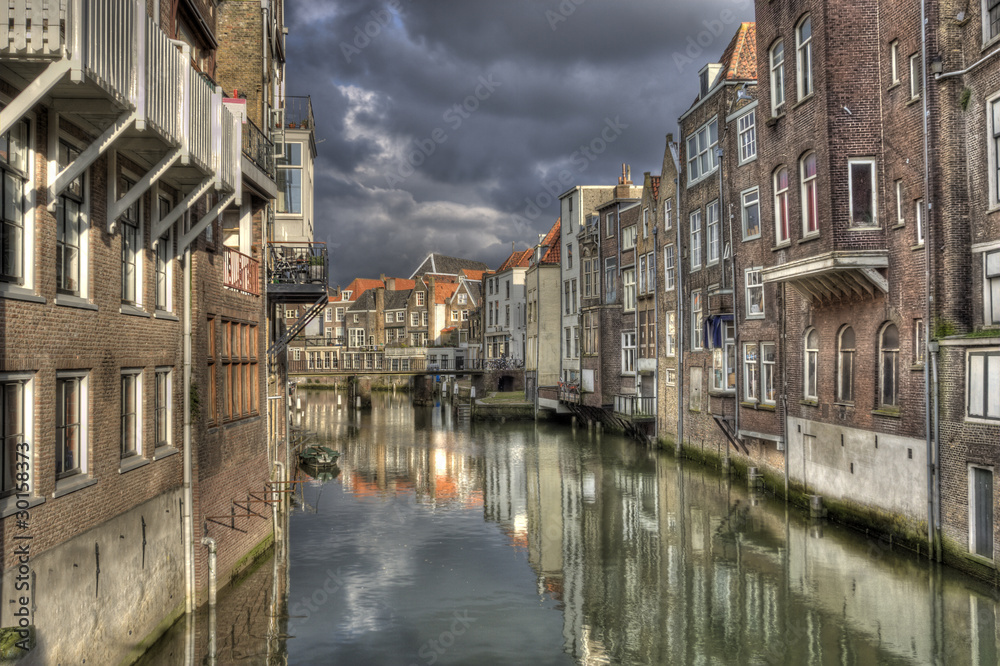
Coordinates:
(321,473)
(319,456)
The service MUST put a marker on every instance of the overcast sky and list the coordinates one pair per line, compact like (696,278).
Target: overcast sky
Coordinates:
(445,124)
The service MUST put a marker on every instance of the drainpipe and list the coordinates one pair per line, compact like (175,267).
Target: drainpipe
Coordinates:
(678,255)
(784,385)
(210,543)
(930,388)
(656,338)
(188,513)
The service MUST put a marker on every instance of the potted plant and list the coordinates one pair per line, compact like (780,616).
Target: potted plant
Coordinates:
(316,266)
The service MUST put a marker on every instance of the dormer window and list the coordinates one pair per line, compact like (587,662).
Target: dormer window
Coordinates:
(706,77)
(703,81)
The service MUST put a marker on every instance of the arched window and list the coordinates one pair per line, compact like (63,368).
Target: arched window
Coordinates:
(811,362)
(888,349)
(803,53)
(845,365)
(781,205)
(777,57)
(810,207)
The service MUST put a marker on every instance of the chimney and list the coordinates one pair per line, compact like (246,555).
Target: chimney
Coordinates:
(622,191)
(391,285)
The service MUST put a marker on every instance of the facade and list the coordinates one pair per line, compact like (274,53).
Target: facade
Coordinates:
(504,313)
(293,210)
(543,283)
(667,287)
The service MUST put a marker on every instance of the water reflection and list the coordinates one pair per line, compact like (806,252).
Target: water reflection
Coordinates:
(561,546)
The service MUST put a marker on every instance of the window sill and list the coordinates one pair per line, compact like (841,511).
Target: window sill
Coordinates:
(867,227)
(809,403)
(133,462)
(750,238)
(132,311)
(747,161)
(17,293)
(806,239)
(782,245)
(898,225)
(913,100)
(722,393)
(758,406)
(892,413)
(8,505)
(753,317)
(894,84)
(694,411)
(773,120)
(167,316)
(918,246)
(162,452)
(804,100)
(70,301)
(917,366)
(72,484)
(979,559)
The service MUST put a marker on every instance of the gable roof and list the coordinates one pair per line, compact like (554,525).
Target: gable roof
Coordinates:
(396,300)
(443,291)
(473,275)
(654,182)
(364,302)
(551,240)
(739,60)
(359,285)
(517,259)
(439,264)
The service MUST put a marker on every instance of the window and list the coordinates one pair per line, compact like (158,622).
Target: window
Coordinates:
(695,240)
(628,289)
(568,334)
(671,377)
(415,318)
(289,179)
(71,431)
(991,19)
(355,337)
(991,288)
(15,429)
(356,318)
(131,249)
(900,219)
(590,326)
(810,369)
(628,237)
(566,309)
(918,217)
(696,329)
(701,151)
(576,342)
(464,298)
(423,318)
(777,77)
(916,76)
(13,181)
(714,235)
(750,368)
(768,361)
(918,341)
(164,255)
(420,299)
(781,227)
(609,225)
(131,413)
(454,315)
(668,209)
(346,295)
(572,291)
(751,213)
(894,60)
(291,313)
(669,270)
(889,366)
(587,279)
(650,273)
(400,317)
(628,353)
(213,385)
(754,293)
(981,532)
(746,130)
(610,280)
(803,39)
(70,227)
(845,365)
(695,386)
(388,317)
(642,274)
(645,222)
(239,367)
(861,183)
(328,315)
(724,360)
(569,262)
(671,336)
(984,377)
(810,206)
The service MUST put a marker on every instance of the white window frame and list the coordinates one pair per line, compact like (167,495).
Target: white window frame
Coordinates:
(650,274)
(136,377)
(809,184)
(883,351)
(23,458)
(132,179)
(724,360)
(713,250)
(24,285)
(168,407)
(81,469)
(642,274)
(669,268)
(701,158)
(83,248)
(751,363)
(695,228)
(415,319)
(697,332)
(991,27)
(991,288)
(918,218)
(609,225)
(753,283)
(810,366)
(750,199)
(746,132)
(356,337)
(629,237)
(671,376)
(340,314)
(916,77)
(768,370)
(420,298)
(894,62)
(328,315)
(628,352)
(900,215)
(980,366)
(782,225)
(918,342)
(776,59)
(628,289)
(668,209)
(670,343)
(645,221)
(804,58)
(870,161)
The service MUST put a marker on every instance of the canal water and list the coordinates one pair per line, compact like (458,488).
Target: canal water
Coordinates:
(441,542)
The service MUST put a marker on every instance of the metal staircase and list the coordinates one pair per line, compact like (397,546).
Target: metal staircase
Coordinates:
(279,345)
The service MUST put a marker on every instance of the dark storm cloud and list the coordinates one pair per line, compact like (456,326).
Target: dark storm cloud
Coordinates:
(440,122)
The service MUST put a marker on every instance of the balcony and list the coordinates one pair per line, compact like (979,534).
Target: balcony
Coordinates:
(258,160)
(299,113)
(296,272)
(569,393)
(636,408)
(835,276)
(242,273)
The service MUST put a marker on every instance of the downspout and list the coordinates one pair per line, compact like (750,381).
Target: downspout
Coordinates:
(678,255)
(656,337)
(188,513)
(732,287)
(930,391)
(210,543)
(784,383)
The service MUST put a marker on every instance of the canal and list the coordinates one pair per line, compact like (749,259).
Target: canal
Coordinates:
(448,543)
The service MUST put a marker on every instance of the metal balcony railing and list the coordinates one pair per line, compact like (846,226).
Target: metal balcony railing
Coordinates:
(569,392)
(258,148)
(297,263)
(242,272)
(634,406)
(299,113)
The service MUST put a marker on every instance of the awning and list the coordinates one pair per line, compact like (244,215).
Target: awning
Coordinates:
(834,276)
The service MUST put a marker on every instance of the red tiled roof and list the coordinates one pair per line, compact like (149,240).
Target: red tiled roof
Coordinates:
(402,284)
(655,182)
(517,259)
(442,292)
(553,256)
(359,286)
(476,276)
(739,60)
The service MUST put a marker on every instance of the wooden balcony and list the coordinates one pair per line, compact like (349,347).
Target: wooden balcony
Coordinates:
(242,272)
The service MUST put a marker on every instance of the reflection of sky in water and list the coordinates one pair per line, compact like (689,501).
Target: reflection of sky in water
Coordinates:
(566,547)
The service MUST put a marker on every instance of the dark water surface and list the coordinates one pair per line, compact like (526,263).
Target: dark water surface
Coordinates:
(445,543)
